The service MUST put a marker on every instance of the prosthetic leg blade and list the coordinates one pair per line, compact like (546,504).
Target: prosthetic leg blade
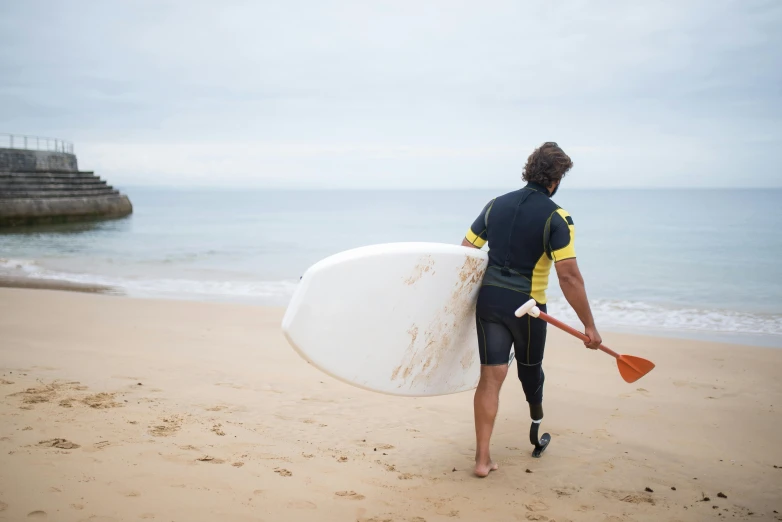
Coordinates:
(540,444)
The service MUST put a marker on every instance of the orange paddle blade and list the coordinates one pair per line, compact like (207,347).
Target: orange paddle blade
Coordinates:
(632,368)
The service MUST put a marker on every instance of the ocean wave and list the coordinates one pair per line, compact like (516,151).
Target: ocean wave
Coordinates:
(608,313)
(636,314)
(25,266)
(278,291)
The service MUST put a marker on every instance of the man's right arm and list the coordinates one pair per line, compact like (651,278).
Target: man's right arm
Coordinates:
(572,285)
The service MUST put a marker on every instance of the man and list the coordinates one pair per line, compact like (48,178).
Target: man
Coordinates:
(527,232)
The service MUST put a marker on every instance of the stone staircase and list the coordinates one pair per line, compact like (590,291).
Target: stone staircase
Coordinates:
(52,185)
(47,187)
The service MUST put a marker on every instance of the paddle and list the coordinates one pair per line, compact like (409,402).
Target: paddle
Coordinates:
(630,368)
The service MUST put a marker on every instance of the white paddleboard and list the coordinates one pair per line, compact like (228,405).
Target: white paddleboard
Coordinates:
(395,318)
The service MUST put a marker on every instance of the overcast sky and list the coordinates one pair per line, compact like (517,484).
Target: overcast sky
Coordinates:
(400,94)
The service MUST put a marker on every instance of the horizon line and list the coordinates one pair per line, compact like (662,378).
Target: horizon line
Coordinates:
(431,189)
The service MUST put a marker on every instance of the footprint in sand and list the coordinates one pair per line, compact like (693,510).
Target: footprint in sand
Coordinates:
(302,504)
(565,491)
(132,494)
(3,506)
(101,401)
(630,497)
(37,395)
(637,499)
(168,426)
(58,443)
(536,505)
(217,429)
(211,460)
(77,507)
(351,495)
(536,516)
(283,472)
(37,514)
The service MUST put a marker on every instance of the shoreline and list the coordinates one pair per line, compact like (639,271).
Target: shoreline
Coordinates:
(731,338)
(33,283)
(120,408)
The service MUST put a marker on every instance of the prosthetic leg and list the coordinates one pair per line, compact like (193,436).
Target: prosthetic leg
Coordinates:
(536,413)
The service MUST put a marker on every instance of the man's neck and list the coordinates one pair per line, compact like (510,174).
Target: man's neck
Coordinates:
(538,188)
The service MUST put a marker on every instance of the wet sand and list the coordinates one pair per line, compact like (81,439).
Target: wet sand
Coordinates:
(55,284)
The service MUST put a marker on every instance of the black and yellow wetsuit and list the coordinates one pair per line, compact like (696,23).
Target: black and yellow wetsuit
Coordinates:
(527,233)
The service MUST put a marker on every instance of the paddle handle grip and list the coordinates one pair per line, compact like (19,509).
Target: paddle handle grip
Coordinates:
(572,331)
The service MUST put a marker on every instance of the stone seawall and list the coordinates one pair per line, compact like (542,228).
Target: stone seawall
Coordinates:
(47,187)
(15,160)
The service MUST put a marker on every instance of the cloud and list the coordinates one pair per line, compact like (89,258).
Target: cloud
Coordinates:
(390,94)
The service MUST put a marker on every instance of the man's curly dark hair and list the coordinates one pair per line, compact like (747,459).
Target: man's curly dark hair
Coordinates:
(547,164)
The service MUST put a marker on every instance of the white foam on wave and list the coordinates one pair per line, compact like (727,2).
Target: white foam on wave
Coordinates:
(652,316)
(25,266)
(276,291)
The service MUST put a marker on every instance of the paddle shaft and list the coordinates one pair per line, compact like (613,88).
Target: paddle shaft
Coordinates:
(572,331)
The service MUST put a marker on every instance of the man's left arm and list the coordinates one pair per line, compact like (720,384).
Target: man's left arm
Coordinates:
(563,253)
(477,233)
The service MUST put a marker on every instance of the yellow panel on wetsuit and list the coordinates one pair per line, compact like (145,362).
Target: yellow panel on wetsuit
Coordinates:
(561,245)
(562,240)
(476,234)
(527,233)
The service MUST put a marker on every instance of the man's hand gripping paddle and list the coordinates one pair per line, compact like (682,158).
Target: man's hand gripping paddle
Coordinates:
(630,368)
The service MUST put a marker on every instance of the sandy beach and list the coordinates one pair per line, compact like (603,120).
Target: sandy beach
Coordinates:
(124,409)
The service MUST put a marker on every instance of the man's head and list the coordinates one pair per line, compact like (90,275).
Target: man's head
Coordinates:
(546,166)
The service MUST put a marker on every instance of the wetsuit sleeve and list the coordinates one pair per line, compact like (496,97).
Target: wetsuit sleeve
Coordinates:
(563,235)
(477,233)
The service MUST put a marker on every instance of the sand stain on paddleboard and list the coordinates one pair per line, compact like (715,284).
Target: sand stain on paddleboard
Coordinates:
(427,350)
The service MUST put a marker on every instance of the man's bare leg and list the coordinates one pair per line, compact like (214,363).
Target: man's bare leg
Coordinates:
(486,403)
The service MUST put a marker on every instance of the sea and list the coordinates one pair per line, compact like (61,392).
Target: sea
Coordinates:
(689,263)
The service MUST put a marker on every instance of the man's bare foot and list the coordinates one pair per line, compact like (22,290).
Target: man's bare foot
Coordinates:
(482,470)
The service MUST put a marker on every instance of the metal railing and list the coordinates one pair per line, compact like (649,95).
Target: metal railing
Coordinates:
(20,141)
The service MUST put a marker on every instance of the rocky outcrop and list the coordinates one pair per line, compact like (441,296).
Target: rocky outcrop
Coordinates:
(47,187)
